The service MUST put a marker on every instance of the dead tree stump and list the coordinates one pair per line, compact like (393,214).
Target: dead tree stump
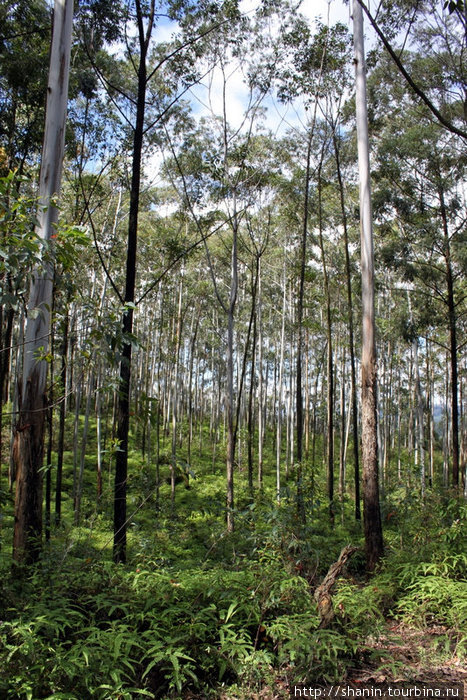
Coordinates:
(322,594)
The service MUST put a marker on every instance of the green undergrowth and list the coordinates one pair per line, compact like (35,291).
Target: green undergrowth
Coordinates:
(196,608)
(240,617)
(204,613)
(422,581)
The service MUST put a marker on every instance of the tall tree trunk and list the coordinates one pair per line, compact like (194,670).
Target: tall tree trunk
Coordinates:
(301,292)
(78,392)
(16,400)
(61,420)
(4,366)
(353,374)
(280,391)
(123,406)
(429,411)
(48,466)
(330,356)
(371,510)
(99,448)
(230,378)
(84,441)
(173,457)
(446,425)
(194,335)
(342,446)
(261,396)
(250,415)
(420,419)
(307,393)
(398,425)
(452,320)
(29,441)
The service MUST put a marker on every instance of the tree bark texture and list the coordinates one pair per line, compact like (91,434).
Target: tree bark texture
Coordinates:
(371,510)
(29,440)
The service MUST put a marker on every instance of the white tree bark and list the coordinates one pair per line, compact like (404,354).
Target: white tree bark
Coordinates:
(29,441)
(49,183)
(371,511)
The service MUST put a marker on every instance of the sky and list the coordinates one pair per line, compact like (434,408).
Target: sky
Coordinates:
(207,99)
(279,117)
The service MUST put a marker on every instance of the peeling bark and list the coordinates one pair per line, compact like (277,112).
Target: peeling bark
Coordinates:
(28,445)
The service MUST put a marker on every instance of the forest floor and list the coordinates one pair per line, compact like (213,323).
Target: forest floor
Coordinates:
(404,654)
(410,654)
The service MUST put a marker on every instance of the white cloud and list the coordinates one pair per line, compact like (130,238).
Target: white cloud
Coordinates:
(225,89)
(208,98)
(222,90)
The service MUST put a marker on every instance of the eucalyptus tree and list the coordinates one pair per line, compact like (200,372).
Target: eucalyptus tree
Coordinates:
(29,440)
(24,48)
(313,69)
(144,18)
(260,230)
(21,254)
(144,91)
(421,163)
(23,76)
(337,144)
(435,30)
(329,335)
(371,506)
(421,173)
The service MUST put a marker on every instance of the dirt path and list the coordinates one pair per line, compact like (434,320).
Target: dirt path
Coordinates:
(405,653)
(402,654)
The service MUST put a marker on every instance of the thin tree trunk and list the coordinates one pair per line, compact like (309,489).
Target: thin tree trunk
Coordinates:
(429,412)
(4,368)
(16,402)
(301,292)
(123,406)
(289,461)
(420,420)
(98,409)
(452,343)
(190,385)
(230,380)
(342,445)
(61,420)
(261,398)
(307,393)
(250,417)
(279,393)
(330,358)
(48,466)
(353,374)
(173,459)
(446,425)
(398,427)
(84,440)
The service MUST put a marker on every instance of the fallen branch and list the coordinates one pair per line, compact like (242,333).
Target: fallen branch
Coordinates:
(322,594)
